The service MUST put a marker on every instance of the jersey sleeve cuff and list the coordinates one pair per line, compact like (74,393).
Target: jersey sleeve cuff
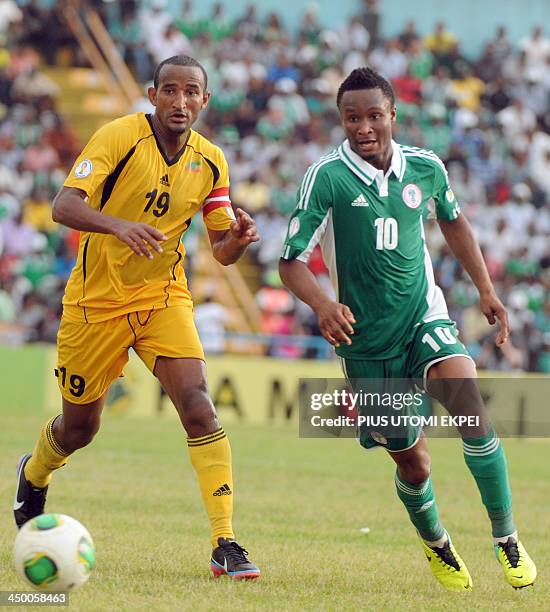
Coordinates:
(75,184)
(451,216)
(291,252)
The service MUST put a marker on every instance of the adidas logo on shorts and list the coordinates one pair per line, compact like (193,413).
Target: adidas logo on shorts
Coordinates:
(223,490)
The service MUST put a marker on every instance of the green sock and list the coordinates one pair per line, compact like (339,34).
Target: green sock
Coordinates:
(486,459)
(420,503)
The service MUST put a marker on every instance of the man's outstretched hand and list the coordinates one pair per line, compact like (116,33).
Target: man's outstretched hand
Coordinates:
(494,311)
(140,237)
(335,322)
(243,229)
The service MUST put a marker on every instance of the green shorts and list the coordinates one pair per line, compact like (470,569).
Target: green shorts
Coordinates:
(434,341)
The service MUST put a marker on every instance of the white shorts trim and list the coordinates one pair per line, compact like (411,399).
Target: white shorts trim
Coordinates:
(408,447)
(343,366)
(434,361)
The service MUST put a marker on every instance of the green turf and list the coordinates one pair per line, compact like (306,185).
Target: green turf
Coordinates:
(299,507)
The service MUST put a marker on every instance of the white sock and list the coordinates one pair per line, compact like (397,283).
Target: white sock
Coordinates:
(438,543)
(504,539)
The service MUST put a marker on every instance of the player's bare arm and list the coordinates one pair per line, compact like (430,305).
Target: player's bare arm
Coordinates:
(70,209)
(229,245)
(335,319)
(463,244)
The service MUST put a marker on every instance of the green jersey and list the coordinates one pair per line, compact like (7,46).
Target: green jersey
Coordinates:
(370,229)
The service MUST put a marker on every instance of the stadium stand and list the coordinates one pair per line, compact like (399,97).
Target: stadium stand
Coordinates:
(273,112)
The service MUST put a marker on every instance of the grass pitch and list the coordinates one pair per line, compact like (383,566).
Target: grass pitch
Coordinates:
(299,508)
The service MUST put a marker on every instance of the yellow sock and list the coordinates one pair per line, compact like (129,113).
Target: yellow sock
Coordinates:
(211,458)
(47,456)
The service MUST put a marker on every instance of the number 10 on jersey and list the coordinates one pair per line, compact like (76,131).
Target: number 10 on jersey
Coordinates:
(386,233)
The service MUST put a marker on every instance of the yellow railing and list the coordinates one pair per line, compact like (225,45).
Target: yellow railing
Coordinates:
(92,53)
(243,297)
(127,82)
(230,289)
(102,53)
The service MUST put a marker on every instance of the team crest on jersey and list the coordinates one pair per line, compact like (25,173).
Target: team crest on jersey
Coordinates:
(450,196)
(84,169)
(412,195)
(194,166)
(294,227)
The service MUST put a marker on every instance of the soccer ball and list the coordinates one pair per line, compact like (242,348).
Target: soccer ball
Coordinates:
(54,552)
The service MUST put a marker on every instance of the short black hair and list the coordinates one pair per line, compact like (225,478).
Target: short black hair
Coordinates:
(179,60)
(365,78)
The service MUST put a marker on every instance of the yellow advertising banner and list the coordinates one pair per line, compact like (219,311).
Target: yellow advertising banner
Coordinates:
(252,389)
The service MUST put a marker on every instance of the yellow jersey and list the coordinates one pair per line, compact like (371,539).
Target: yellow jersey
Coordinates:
(126,174)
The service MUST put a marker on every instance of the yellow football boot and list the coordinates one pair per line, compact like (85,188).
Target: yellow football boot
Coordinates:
(447,566)
(519,569)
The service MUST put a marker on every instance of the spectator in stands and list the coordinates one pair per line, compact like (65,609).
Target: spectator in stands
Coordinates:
(309,26)
(466,89)
(251,194)
(454,60)
(18,236)
(249,25)
(440,42)
(389,60)
(488,66)
(408,87)
(420,59)
(437,87)
(37,211)
(438,135)
(274,125)
(372,18)
(501,45)
(211,319)
(516,120)
(356,35)
(273,30)
(187,21)
(497,94)
(218,25)
(129,37)
(539,161)
(537,51)
(282,68)
(171,42)
(10,13)
(290,102)
(277,306)
(154,22)
(408,36)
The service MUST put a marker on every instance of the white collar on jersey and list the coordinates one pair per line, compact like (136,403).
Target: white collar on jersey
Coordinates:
(365,171)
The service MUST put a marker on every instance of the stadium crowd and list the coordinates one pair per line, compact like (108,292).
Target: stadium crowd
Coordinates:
(273,112)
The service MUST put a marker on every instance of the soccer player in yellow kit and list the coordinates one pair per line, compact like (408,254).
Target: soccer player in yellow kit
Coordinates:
(132,193)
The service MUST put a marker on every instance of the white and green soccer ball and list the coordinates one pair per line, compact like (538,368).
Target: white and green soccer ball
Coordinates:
(54,552)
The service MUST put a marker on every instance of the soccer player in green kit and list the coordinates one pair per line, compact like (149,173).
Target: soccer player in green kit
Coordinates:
(364,203)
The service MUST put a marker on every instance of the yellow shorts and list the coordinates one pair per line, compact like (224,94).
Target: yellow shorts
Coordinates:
(90,356)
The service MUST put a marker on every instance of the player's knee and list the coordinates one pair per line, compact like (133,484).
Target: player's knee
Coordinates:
(196,410)
(79,437)
(417,470)
(193,398)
